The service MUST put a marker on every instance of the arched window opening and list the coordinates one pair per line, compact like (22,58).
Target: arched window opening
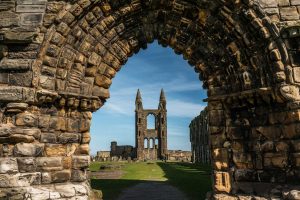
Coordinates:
(139,120)
(151,143)
(146,143)
(139,133)
(162,120)
(150,121)
(156,143)
(163,133)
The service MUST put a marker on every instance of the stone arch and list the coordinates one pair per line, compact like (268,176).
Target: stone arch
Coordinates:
(53,77)
(102,36)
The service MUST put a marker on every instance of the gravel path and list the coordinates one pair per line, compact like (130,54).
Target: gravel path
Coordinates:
(152,191)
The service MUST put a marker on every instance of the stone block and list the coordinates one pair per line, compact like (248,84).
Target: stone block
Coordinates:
(244,175)
(8,19)
(47,82)
(291,131)
(103,81)
(28,150)
(216,118)
(5,130)
(15,64)
(26,119)
(55,150)
(80,162)
(295,2)
(86,138)
(72,125)
(65,191)
(34,132)
(46,178)
(65,138)
(20,180)
(101,92)
(83,149)
(8,165)
(268,3)
(21,79)
(49,163)
(295,145)
(48,137)
(27,164)
(279,160)
(296,159)
(19,106)
(289,13)
(31,19)
(270,132)
(18,37)
(283,2)
(44,121)
(30,8)
(78,175)
(17,138)
(60,176)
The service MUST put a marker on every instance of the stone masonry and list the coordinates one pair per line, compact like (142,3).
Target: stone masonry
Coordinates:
(151,144)
(199,137)
(58,59)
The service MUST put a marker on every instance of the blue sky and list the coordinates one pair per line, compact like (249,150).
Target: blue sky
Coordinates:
(149,70)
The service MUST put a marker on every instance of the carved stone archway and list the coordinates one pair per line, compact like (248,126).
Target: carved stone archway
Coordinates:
(58,59)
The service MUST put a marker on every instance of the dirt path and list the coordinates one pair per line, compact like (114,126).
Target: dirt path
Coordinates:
(152,191)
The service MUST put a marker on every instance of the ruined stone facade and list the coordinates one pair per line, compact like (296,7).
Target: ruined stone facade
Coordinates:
(151,144)
(58,58)
(199,137)
(179,156)
(102,156)
(122,152)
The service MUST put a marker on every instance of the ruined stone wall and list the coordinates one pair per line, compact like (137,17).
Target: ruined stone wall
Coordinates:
(58,59)
(199,138)
(178,155)
(103,156)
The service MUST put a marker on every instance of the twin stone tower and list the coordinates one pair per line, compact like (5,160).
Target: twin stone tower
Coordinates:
(151,143)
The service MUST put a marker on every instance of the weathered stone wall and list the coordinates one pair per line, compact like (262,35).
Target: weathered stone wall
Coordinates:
(59,58)
(179,155)
(199,138)
(122,151)
(103,156)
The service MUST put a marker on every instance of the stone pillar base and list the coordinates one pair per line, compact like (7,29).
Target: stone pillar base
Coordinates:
(63,191)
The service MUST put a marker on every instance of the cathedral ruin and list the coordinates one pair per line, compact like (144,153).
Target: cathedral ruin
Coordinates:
(151,144)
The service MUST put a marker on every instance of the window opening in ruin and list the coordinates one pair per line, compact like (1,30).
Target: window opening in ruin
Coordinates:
(151,143)
(150,121)
(146,143)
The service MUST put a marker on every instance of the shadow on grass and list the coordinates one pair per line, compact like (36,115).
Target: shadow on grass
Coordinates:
(193,180)
(112,188)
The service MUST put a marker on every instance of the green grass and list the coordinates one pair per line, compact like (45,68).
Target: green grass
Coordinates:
(143,171)
(193,180)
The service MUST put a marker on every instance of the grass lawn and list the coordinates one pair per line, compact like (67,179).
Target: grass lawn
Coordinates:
(193,180)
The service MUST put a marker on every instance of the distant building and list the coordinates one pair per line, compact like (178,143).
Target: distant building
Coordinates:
(123,152)
(103,156)
(199,137)
(151,143)
(178,155)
